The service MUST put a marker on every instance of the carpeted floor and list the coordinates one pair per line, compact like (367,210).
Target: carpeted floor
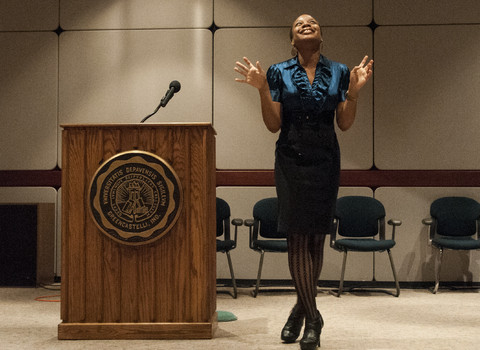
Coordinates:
(373,321)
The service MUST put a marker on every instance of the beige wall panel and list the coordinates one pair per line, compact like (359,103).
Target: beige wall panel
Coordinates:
(120,76)
(243,140)
(27,195)
(426,103)
(389,12)
(23,15)
(349,46)
(138,14)
(254,13)
(414,258)
(28,100)
(245,261)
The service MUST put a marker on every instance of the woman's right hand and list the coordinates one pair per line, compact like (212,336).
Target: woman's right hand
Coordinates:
(254,75)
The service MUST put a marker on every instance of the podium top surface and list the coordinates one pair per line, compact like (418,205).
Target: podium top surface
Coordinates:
(136,125)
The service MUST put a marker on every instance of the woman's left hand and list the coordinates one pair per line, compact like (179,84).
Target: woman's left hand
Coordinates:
(360,75)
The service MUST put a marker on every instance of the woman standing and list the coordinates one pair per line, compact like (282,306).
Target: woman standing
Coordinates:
(301,97)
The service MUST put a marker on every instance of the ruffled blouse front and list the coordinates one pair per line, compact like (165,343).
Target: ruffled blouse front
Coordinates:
(289,85)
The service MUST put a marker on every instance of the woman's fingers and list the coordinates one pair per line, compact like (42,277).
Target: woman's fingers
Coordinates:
(253,74)
(241,71)
(259,67)
(370,64)
(363,62)
(367,68)
(241,66)
(247,61)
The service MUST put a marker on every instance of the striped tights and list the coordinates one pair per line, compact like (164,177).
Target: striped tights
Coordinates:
(305,260)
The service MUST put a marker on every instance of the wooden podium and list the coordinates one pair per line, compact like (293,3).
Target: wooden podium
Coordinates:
(161,290)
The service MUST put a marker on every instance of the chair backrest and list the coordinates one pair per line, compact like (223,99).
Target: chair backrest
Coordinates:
(455,216)
(359,216)
(265,212)
(223,218)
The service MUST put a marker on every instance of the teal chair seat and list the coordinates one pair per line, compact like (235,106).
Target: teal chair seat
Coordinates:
(225,245)
(466,243)
(271,245)
(364,244)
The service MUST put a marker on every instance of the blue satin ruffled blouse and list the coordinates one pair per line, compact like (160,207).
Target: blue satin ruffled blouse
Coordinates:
(289,85)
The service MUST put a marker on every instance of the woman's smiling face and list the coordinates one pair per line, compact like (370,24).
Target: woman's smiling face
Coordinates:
(305,27)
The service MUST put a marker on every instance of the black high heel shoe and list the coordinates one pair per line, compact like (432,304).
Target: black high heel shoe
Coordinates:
(292,328)
(311,335)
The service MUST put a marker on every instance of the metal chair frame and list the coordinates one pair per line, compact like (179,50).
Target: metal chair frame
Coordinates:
(226,234)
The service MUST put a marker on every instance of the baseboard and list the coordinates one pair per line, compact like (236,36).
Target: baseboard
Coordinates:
(250,283)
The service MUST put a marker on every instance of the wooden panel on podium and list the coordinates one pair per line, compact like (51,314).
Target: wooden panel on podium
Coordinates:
(165,289)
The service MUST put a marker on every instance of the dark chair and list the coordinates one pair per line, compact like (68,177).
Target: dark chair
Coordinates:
(263,233)
(361,222)
(453,225)
(224,242)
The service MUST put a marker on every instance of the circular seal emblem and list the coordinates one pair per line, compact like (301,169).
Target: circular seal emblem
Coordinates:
(135,197)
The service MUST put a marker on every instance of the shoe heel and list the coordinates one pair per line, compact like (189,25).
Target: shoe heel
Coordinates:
(310,346)
(312,333)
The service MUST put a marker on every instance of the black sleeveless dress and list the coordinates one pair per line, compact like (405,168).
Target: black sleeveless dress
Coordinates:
(307,155)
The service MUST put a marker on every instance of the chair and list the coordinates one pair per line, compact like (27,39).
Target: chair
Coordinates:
(453,225)
(263,233)
(361,222)
(226,244)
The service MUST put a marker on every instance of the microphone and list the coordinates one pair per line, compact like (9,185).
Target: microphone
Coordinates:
(172,89)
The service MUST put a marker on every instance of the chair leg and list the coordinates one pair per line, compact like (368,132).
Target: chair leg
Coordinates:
(437,272)
(234,283)
(342,277)
(259,275)
(397,285)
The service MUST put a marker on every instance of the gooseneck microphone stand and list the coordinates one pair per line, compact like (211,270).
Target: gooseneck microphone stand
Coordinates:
(155,111)
(172,89)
